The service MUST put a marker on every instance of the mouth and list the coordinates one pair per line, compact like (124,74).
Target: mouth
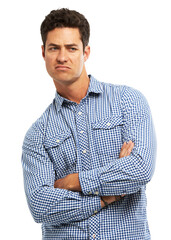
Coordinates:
(62,68)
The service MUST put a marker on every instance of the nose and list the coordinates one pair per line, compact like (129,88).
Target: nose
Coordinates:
(62,56)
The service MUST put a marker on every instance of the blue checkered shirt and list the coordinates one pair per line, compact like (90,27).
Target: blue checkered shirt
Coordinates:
(87,138)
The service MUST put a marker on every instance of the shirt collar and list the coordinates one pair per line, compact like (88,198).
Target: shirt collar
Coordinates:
(59,101)
(94,87)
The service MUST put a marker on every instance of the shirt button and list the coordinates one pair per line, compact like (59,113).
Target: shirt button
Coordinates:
(84,151)
(95,211)
(94,236)
(81,131)
(90,193)
(108,124)
(79,113)
(57,140)
(96,192)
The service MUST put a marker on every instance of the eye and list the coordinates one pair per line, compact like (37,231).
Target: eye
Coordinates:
(53,48)
(72,49)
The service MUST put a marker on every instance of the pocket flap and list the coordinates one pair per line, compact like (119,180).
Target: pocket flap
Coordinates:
(57,139)
(108,123)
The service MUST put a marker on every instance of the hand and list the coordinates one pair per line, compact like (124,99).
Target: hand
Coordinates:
(110,199)
(125,151)
(70,182)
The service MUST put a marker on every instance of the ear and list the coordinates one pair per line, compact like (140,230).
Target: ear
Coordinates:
(43,51)
(86,53)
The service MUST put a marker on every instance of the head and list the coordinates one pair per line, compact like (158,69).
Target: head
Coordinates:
(65,18)
(65,49)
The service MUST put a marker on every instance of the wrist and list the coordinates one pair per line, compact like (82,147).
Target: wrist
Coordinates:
(74,183)
(103,203)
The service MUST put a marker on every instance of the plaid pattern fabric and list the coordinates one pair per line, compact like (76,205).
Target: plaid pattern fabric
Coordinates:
(87,138)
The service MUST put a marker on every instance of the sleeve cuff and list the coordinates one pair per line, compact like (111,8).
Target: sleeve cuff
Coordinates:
(90,183)
(91,205)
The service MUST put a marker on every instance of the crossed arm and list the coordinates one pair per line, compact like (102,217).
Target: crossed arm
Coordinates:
(71,182)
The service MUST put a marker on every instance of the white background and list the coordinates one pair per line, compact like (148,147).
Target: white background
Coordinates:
(130,44)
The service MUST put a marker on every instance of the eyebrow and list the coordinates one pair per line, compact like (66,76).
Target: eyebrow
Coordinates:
(66,45)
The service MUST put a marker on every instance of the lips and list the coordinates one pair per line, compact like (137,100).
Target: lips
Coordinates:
(61,67)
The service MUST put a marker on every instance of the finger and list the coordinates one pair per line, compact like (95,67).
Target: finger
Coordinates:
(123,146)
(123,150)
(126,149)
(130,146)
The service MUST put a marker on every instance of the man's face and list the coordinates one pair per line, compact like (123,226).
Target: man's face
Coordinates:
(64,55)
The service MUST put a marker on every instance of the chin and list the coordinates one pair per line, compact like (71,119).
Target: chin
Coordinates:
(64,80)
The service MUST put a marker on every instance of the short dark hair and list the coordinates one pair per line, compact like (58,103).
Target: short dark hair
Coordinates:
(66,18)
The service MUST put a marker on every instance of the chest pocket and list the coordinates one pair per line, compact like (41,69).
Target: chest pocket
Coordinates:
(107,136)
(62,152)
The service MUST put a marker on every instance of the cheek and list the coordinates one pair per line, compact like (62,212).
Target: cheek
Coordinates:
(49,62)
(80,62)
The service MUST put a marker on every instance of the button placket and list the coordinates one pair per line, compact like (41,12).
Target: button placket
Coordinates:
(94,226)
(85,160)
(83,142)
(94,236)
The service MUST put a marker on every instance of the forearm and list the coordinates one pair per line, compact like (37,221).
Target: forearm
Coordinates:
(50,205)
(59,206)
(71,181)
(121,176)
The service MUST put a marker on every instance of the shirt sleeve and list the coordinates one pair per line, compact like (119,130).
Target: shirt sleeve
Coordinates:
(48,204)
(127,175)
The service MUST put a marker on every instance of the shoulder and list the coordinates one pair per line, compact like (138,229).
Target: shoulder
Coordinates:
(132,94)
(37,131)
(133,100)
(109,87)
(123,90)
(133,97)
(125,95)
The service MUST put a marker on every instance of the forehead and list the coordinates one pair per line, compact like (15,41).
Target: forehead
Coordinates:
(63,36)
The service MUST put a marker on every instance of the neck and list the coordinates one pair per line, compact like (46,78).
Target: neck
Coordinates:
(76,90)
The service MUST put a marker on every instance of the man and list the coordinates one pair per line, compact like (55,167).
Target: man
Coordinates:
(88,158)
